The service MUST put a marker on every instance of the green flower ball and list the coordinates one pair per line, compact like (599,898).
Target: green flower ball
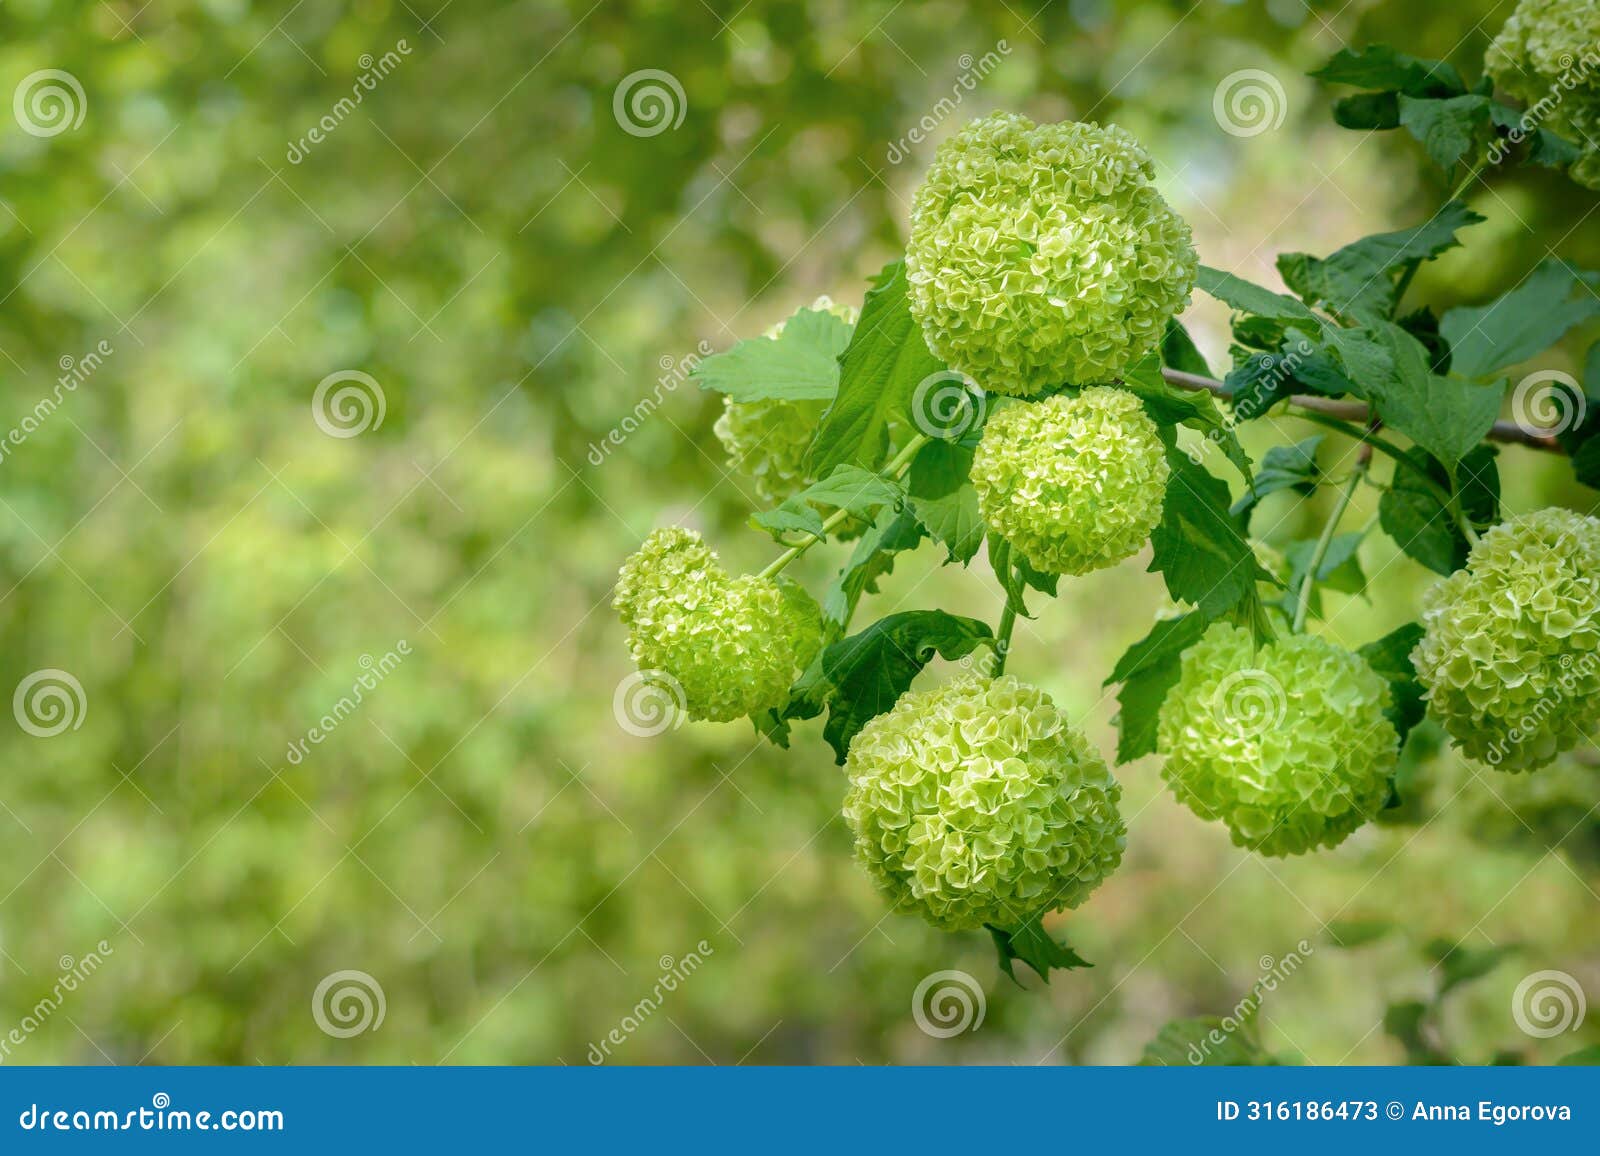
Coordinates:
(1548,55)
(1074,483)
(1510,656)
(766,441)
(1041,255)
(722,646)
(977,803)
(1286,743)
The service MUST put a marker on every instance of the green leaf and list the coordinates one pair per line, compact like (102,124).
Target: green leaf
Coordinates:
(1580,410)
(1380,66)
(1288,467)
(800,364)
(1445,128)
(793,517)
(1034,946)
(1521,324)
(849,487)
(944,501)
(1446,416)
(878,374)
(1205,1041)
(1147,670)
(1349,933)
(1390,656)
(1582,1056)
(1368,111)
(1178,350)
(1200,548)
(1246,297)
(1411,512)
(1462,964)
(868,671)
(1340,569)
(1544,147)
(894,531)
(1360,279)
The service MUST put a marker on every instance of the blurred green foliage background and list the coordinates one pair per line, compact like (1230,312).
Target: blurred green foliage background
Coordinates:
(481,236)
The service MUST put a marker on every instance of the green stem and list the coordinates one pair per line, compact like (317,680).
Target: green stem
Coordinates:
(1002,641)
(895,469)
(1383,445)
(1326,540)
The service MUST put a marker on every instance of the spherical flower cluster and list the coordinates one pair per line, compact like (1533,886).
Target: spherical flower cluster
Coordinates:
(1042,255)
(1074,484)
(1548,55)
(1286,743)
(766,441)
(1510,656)
(724,646)
(977,803)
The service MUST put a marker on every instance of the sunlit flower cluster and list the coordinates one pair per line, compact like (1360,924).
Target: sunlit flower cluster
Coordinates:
(1042,255)
(731,645)
(977,803)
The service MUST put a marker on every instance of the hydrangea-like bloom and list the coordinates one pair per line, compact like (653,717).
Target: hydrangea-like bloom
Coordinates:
(1075,483)
(978,803)
(1042,255)
(723,646)
(1511,653)
(1548,55)
(766,441)
(1286,743)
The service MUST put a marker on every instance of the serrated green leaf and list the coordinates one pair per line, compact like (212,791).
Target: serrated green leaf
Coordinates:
(1359,280)
(1205,1041)
(1340,569)
(1034,946)
(800,364)
(1390,656)
(1446,416)
(868,671)
(1178,350)
(894,532)
(1200,548)
(1147,670)
(1544,147)
(1445,128)
(1288,467)
(792,517)
(1379,66)
(878,374)
(1411,512)
(1521,324)
(1249,298)
(944,501)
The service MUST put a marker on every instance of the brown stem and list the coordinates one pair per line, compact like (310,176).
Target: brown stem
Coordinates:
(1355,411)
